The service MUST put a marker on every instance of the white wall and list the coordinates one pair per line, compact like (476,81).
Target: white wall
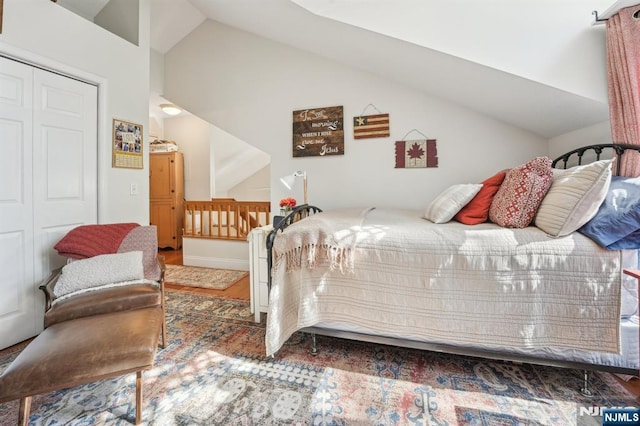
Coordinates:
(254,188)
(222,254)
(598,133)
(156,86)
(215,161)
(193,137)
(155,130)
(121,18)
(156,71)
(45,33)
(234,160)
(249,86)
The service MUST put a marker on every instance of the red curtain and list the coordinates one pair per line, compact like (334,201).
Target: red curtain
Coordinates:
(623,72)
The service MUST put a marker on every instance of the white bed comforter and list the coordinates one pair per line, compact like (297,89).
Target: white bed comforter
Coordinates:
(444,283)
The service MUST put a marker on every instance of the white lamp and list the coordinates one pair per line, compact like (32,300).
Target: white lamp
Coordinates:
(170,109)
(289,180)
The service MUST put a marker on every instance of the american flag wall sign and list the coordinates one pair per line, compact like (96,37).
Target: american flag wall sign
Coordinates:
(416,154)
(371,126)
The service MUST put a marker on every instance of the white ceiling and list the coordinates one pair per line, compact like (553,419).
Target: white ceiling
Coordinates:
(171,20)
(88,9)
(539,108)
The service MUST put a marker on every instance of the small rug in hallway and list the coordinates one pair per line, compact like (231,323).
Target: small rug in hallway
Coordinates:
(213,372)
(194,276)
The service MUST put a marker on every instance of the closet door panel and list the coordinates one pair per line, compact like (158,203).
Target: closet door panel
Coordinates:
(62,158)
(48,184)
(11,162)
(18,319)
(65,160)
(13,300)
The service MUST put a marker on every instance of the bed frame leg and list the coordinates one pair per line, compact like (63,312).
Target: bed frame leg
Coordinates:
(585,387)
(314,346)
(426,407)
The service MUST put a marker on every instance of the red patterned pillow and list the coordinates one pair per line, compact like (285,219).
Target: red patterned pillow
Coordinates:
(521,193)
(477,211)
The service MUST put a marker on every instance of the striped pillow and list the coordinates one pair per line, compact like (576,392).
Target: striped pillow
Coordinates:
(574,198)
(450,201)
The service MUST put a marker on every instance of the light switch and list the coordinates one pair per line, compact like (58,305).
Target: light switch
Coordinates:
(134,189)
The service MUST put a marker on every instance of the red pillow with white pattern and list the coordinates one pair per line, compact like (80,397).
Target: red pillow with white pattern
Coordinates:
(521,193)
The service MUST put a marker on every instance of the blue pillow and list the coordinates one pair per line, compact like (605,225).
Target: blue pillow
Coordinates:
(617,224)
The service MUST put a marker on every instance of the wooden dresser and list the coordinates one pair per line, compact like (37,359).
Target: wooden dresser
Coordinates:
(166,197)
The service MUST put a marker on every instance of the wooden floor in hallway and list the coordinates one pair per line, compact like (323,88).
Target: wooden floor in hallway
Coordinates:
(240,290)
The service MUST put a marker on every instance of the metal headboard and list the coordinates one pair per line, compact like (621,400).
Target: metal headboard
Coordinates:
(296,214)
(618,148)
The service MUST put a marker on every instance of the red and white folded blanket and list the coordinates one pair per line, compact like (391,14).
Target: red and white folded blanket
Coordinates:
(93,240)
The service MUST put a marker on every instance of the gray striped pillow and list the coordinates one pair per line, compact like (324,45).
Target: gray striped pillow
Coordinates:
(451,201)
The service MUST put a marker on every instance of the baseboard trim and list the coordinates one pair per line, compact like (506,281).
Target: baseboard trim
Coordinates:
(215,262)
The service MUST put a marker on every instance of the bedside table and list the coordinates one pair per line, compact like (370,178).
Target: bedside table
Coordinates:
(258,271)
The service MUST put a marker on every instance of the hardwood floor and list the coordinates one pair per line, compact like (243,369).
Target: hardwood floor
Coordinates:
(239,290)
(632,386)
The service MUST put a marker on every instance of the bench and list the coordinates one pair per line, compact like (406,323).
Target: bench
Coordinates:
(84,350)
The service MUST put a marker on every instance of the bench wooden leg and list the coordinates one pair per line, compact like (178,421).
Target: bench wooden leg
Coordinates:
(25,409)
(163,307)
(164,331)
(138,397)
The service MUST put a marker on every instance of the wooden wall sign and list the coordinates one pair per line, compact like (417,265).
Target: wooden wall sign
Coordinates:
(416,154)
(318,132)
(371,126)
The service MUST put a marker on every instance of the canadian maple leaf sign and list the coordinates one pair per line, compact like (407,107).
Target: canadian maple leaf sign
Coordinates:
(416,154)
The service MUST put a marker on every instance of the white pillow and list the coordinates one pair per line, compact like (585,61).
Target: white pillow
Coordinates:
(574,198)
(451,201)
(98,271)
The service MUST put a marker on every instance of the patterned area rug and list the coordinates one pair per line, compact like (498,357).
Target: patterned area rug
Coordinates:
(213,373)
(193,276)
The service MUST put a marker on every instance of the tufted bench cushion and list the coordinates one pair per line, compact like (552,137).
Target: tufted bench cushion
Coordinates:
(81,351)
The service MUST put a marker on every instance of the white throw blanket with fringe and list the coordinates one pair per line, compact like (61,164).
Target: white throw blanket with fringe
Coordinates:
(331,236)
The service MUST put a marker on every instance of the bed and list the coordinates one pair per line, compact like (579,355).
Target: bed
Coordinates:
(523,294)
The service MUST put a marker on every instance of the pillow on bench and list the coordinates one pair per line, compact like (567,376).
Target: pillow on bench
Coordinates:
(99,271)
(87,241)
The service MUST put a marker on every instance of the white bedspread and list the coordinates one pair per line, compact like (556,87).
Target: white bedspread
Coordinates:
(448,283)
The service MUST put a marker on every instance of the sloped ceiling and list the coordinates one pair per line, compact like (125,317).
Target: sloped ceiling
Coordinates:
(539,108)
(88,9)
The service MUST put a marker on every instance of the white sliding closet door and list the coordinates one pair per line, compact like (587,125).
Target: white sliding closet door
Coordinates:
(48,184)
(17,294)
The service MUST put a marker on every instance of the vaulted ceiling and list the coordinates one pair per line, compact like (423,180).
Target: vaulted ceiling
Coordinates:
(538,107)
